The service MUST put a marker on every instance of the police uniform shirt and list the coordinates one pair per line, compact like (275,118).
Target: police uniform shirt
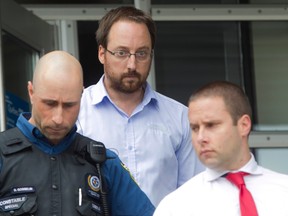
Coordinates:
(42,179)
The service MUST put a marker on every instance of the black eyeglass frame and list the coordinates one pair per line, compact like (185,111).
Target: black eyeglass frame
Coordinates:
(127,55)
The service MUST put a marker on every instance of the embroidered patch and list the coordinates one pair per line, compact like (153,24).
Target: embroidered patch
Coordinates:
(127,169)
(23,189)
(12,203)
(93,194)
(94,182)
(97,208)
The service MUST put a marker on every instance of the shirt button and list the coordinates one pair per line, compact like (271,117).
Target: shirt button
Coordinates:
(54,187)
(53,158)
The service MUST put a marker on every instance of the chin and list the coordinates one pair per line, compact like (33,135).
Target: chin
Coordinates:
(129,89)
(210,164)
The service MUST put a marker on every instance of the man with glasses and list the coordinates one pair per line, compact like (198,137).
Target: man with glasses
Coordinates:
(149,131)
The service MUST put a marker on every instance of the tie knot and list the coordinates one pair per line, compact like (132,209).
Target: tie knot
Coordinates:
(236,178)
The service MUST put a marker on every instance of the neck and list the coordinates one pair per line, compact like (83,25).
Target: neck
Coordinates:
(126,101)
(241,161)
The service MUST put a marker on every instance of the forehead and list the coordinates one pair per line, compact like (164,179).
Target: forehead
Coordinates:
(59,97)
(59,90)
(207,107)
(207,101)
(125,32)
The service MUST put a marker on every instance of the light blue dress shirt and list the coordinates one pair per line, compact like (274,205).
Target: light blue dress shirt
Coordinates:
(154,142)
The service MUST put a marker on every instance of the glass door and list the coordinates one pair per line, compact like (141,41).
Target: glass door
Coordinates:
(24,38)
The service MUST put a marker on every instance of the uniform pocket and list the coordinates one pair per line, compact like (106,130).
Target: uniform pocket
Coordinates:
(18,205)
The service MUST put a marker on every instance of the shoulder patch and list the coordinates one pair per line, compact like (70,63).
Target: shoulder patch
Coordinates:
(127,169)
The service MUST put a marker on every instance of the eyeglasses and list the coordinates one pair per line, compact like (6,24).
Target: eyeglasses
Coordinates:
(140,56)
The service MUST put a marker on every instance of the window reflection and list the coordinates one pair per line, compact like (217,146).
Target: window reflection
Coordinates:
(18,63)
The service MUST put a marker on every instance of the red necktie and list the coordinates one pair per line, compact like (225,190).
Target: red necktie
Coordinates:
(247,204)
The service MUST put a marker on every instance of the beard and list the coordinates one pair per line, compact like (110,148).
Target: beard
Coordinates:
(127,83)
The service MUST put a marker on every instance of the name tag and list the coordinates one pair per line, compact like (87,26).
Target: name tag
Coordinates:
(97,208)
(12,203)
(93,194)
(23,190)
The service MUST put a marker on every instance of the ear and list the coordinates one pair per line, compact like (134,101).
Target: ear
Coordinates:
(244,125)
(30,91)
(101,54)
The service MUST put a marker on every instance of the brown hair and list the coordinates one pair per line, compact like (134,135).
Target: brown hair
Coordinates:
(236,101)
(124,13)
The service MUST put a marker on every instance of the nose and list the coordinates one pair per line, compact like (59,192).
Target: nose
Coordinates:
(57,117)
(201,136)
(131,64)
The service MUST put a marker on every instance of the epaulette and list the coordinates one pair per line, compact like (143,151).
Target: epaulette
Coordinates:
(12,140)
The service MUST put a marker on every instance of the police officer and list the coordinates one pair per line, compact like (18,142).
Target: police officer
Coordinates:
(46,168)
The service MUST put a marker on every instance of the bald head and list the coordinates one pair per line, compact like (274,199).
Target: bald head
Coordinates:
(57,66)
(55,94)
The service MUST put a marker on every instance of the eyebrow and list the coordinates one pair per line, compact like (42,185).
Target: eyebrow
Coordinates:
(56,101)
(127,48)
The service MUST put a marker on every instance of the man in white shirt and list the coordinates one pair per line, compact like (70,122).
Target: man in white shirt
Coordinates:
(148,130)
(220,119)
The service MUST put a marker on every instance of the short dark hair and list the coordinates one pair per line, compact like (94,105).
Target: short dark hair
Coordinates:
(124,13)
(236,101)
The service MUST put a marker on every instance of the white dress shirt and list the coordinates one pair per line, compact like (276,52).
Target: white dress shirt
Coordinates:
(209,194)
(154,142)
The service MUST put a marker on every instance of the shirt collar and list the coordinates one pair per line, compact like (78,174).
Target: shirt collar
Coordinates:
(34,135)
(251,167)
(99,93)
